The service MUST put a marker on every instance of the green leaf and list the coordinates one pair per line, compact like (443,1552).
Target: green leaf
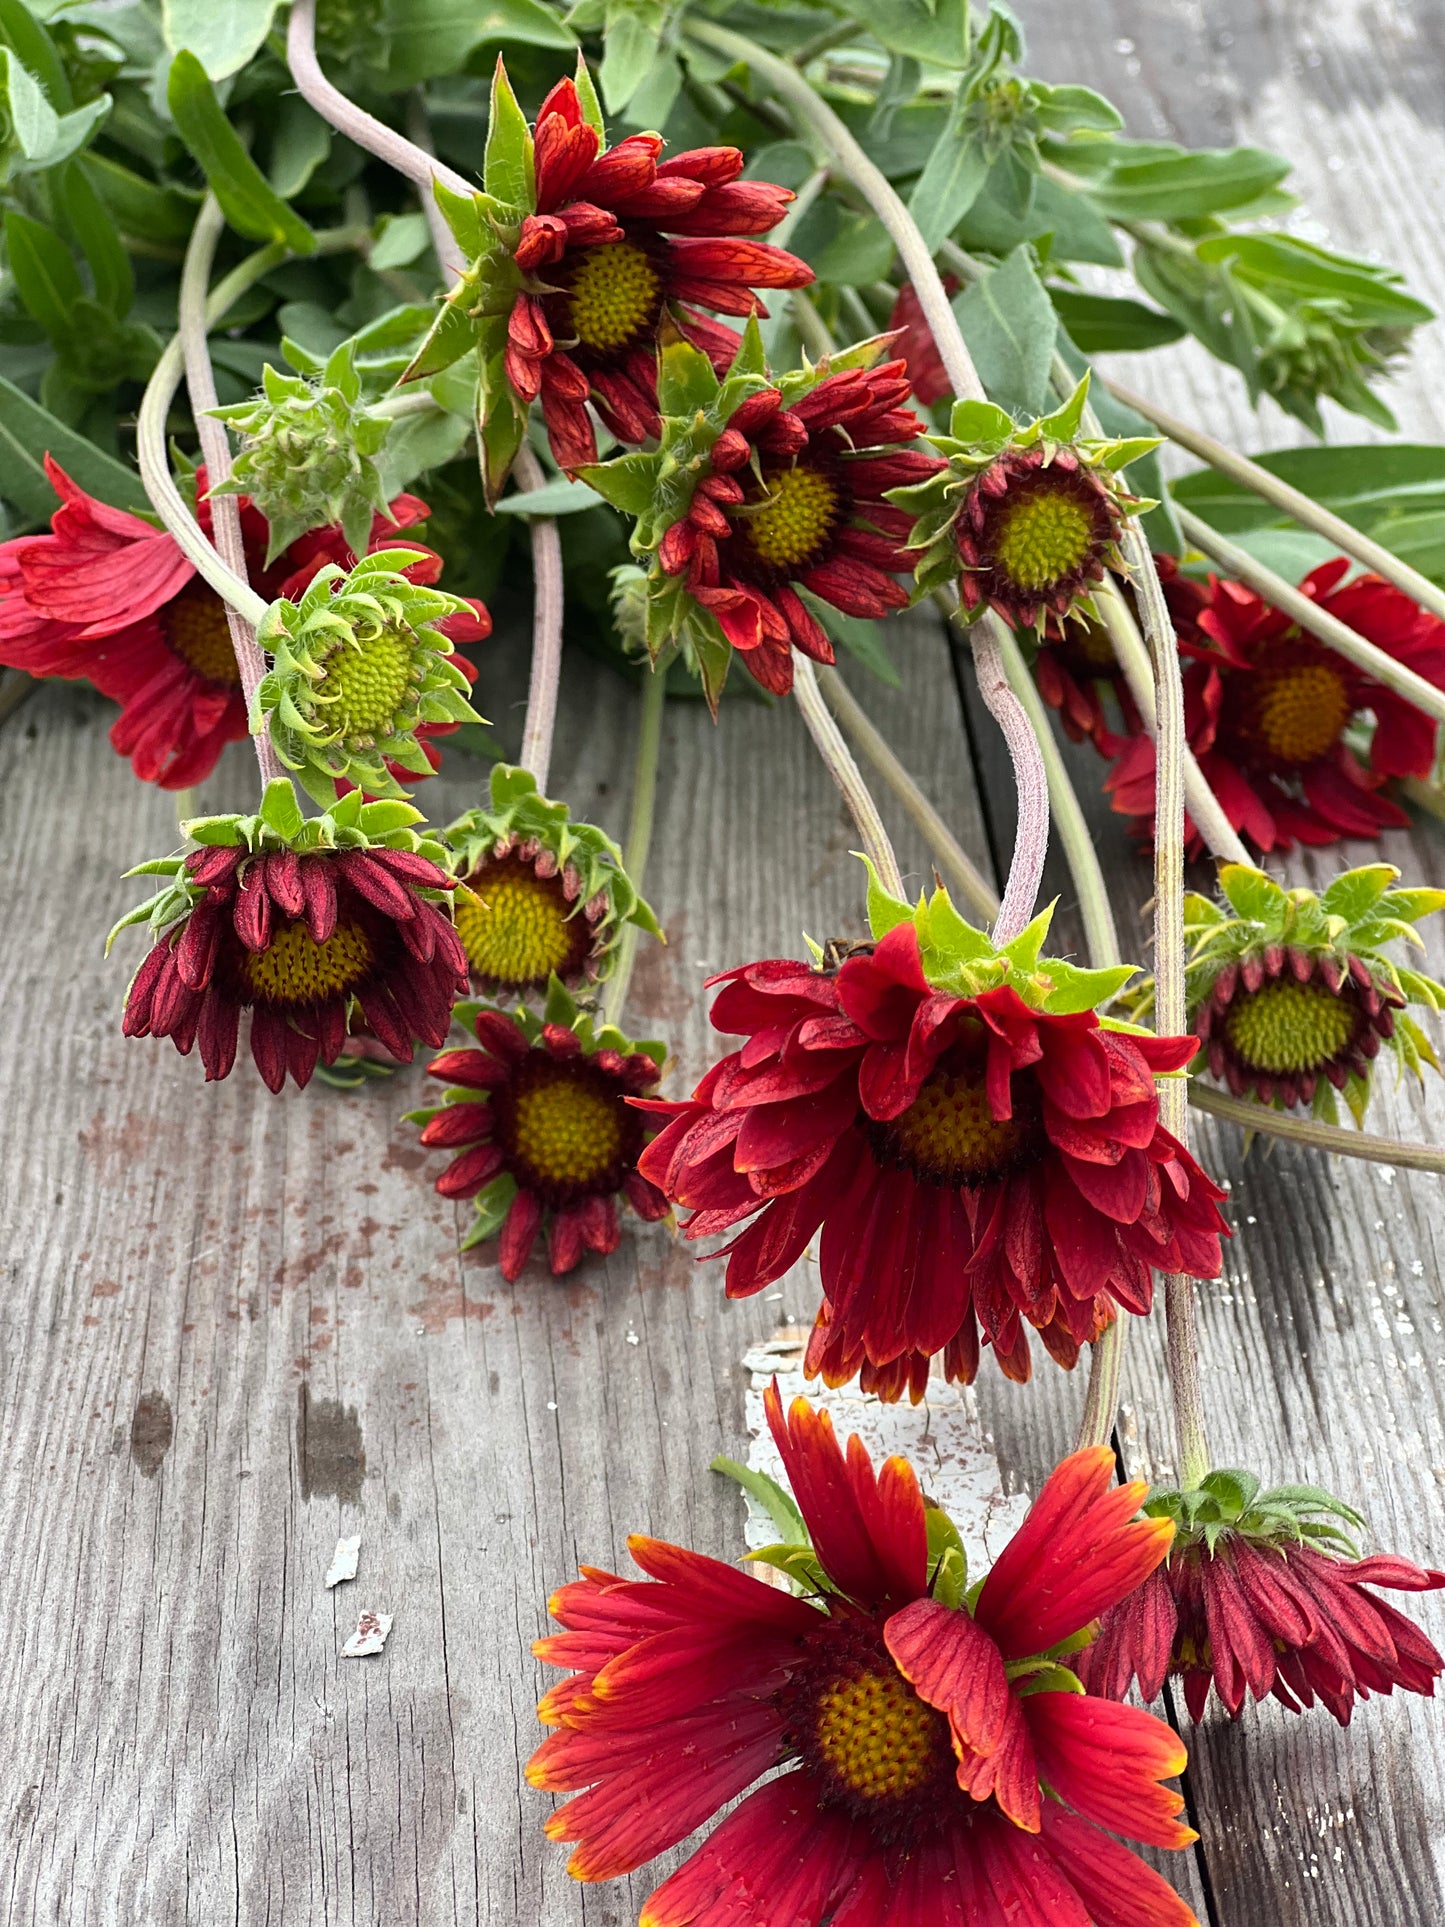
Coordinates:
(44,137)
(1073,989)
(279,809)
(685,380)
(1062,110)
(1364,483)
(800,1563)
(20,30)
(301,144)
(1103,323)
(1310,273)
(1252,893)
(947,1559)
(491,1205)
(629,49)
(1184,186)
(1009,324)
(933,30)
(1354,894)
(27,433)
(248,201)
(949,185)
(1234,1490)
(587,100)
(222,34)
(885,912)
(93,227)
(1023,952)
(507,169)
(860,252)
(559,497)
(770,1496)
(46,277)
(627,483)
(138,206)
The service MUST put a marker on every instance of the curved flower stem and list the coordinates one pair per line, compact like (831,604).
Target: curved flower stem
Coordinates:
(1031,838)
(536,757)
(639,834)
(1334,1138)
(1294,502)
(838,758)
(954,864)
(419,167)
(1309,615)
(216,453)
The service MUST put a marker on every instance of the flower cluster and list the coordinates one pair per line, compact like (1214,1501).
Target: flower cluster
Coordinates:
(1271,713)
(308,924)
(937,1751)
(979,1150)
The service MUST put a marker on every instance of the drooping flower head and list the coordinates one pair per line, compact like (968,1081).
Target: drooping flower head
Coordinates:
(579,254)
(1292,994)
(358,666)
(915,346)
(308,449)
(1263,1595)
(110,598)
(941,1766)
(540,1119)
(764,500)
(308,924)
(1024,520)
(978,1148)
(1275,718)
(538,896)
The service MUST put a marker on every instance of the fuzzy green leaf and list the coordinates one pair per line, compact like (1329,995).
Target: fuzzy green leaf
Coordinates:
(247,198)
(778,1505)
(507,167)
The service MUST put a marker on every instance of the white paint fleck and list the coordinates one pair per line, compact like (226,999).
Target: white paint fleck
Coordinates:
(344,1562)
(370,1636)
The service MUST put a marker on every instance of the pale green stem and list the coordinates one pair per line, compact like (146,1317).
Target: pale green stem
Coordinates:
(1309,615)
(954,864)
(1292,501)
(1428,796)
(1340,1142)
(412,401)
(838,760)
(546,679)
(639,835)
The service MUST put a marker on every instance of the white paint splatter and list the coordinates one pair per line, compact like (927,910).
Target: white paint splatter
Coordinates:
(369,1637)
(344,1562)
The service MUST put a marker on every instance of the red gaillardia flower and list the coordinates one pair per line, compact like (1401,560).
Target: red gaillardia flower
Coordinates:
(1260,1601)
(541,1120)
(108,597)
(1024,520)
(305,923)
(975,1144)
(1267,709)
(581,252)
(764,495)
(942,1768)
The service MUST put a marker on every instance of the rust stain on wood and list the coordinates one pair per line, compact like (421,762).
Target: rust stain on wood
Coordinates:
(329,1448)
(151,1430)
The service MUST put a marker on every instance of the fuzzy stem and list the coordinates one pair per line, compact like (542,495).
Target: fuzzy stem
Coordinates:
(1294,502)
(954,864)
(639,834)
(1309,615)
(419,167)
(838,758)
(536,757)
(1031,837)
(1334,1138)
(216,454)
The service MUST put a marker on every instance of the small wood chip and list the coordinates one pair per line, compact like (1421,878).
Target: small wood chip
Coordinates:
(343,1562)
(369,1637)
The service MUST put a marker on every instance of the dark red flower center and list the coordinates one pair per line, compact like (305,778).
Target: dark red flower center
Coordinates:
(294,969)
(879,1750)
(519,928)
(195,629)
(789,522)
(566,1129)
(614,296)
(949,1133)
(1288,710)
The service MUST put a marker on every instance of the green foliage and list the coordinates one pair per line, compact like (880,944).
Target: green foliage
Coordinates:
(1230,1503)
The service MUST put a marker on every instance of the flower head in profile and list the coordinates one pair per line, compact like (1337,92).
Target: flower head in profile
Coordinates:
(359,665)
(540,1119)
(1293,994)
(538,895)
(110,598)
(941,1767)
(764,503)
(1024,520)
(310,926)
(580,253)
(1278,722)
(974,1147)
(1263,1595)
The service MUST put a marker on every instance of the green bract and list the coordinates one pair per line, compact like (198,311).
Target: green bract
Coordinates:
(356,669)
(349,823)
(1230,1501)
(306,455)
(958,958)
(1263,942)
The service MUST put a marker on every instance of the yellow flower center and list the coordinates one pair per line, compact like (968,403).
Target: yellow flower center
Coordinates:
(614,295)
(295,969)
(1285,1026)
(1297,713)
(195,627)
(517,928)
(564,1129)
(949,1135)
(877,1737)
(1043,536)
(364,684)
(795,522)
